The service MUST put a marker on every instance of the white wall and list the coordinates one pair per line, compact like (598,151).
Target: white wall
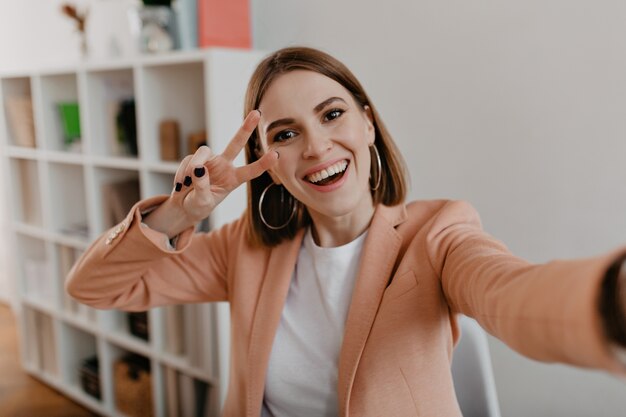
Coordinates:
(517,107)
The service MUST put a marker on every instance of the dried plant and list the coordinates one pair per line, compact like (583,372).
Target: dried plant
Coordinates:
(70,11)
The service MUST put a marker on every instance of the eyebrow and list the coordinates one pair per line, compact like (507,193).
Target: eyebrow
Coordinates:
(316,109)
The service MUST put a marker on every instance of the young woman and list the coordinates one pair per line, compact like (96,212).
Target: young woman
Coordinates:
(343,298)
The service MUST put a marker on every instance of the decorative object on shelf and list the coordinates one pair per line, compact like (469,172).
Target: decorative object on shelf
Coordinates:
(138,325)
(157,31)
(133,386)
(21,120)
(80,18)
(169,140)
(70,122)
(224,23)
(186,15)
(195,140)
(90,377)
(127,126)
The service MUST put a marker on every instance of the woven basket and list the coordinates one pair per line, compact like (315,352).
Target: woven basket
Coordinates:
(133,386)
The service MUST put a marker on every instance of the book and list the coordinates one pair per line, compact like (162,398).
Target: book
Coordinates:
(224,23)
(186,395)
(171,392)
(21,120)
(119,198)
(47,346)
(174,329)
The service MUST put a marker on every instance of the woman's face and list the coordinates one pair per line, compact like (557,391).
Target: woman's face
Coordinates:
(322,136)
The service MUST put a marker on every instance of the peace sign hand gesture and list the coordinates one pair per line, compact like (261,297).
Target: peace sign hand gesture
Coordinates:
(204,179)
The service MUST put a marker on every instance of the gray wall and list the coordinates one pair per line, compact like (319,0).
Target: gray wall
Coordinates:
(517,107)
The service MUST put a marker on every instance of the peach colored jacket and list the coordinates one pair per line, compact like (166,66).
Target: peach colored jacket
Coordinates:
(421,264)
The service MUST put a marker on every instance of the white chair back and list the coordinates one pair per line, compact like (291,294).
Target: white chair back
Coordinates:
(472,372)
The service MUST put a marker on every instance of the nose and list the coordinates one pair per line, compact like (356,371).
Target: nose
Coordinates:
(316,146)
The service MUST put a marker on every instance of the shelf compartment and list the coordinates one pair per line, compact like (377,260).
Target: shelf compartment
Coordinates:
(68,200)
(36,277)
(78,347)
(40,342)
(107,90)
(19,115)
(184,395)
(117,324)
(117,190)
(25,185)
(61,113)
(172,92)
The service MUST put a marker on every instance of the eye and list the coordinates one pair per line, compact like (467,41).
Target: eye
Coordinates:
(284,136)
(333,114)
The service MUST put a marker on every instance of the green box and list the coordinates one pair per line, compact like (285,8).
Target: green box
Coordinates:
(70,121)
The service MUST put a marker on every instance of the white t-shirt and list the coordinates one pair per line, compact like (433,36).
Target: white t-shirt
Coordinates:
(302,375)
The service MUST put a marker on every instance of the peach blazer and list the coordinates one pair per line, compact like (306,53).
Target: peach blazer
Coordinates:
(422,263)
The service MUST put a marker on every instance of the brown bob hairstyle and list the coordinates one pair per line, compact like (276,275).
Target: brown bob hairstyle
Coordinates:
(277,207)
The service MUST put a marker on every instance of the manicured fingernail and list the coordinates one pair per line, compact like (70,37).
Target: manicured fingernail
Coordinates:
(259,112)
(199,172)
(277,155)
(178,187)
(187,181)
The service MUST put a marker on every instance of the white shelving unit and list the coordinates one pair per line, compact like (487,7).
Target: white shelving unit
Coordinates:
(57,205)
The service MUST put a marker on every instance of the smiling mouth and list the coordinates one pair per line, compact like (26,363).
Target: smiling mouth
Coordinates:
(329,175)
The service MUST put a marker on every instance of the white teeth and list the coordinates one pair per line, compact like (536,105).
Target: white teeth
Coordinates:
(327,172)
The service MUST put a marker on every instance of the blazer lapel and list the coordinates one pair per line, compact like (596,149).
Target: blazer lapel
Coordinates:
(377,260)
(274,291)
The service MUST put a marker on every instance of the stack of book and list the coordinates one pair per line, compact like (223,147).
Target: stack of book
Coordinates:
(90,377)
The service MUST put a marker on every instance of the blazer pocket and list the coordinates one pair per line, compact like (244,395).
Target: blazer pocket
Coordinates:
(401,284)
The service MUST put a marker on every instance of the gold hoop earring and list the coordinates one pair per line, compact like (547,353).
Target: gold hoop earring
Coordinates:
(379,169)
(282,200)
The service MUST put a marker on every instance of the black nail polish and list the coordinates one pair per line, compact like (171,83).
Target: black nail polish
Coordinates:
(199,172)
(179,186)
(187,181)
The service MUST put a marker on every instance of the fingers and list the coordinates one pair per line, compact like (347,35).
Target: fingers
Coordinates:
(243,134)
(180,190)
(197,169)
(192,171)
(253,170)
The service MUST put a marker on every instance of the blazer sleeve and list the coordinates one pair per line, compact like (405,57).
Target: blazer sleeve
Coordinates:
(548,312)
(131,268)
